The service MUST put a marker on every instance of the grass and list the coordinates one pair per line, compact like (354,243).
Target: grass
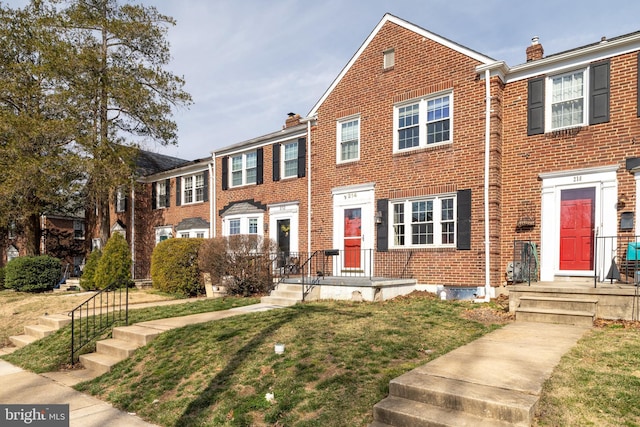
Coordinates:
(597,383)
(52,353)
(338,361)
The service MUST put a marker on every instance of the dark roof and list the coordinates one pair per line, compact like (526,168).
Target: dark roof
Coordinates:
(192,223)
(604,40)
(148,163)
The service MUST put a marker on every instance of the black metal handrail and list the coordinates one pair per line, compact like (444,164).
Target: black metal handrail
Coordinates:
(617,258)
(100,312)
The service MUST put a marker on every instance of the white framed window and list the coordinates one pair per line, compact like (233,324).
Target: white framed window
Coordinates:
(78,229)
(244,169)
(163,233)
(388,59)
(12,230)
(194,233)
(193,188)
(290,156)
(121,200)
(161,194)
(424,122)
(348,132)
(424,222)
(568,100)
(243,224)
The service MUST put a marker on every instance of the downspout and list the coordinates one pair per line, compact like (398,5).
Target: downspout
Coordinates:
(133,229)
(487,147)
(309,186)
(212,196)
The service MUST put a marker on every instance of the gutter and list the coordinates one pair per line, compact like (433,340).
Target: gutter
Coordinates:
(308,121)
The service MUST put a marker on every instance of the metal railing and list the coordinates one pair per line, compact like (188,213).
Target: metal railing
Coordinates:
(94,316)
(617,258)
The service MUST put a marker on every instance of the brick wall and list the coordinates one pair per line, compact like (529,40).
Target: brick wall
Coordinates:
(526,157)
(422,67)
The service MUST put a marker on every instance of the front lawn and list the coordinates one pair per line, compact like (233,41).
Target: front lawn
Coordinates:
(339,358)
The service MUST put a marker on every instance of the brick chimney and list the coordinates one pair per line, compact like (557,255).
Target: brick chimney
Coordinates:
(292,120)
(535,51)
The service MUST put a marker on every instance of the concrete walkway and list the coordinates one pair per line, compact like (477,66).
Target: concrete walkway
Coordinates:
(505,367)
(495,380)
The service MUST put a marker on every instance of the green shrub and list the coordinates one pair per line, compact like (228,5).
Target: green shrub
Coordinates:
(33,273)
(1,278)
(88,278)
(174,267)
(114,266)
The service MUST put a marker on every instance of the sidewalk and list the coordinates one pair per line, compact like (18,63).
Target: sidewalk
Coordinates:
(23,387)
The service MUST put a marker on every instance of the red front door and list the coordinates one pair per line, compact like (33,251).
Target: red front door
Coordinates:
(577,220)
(352,237)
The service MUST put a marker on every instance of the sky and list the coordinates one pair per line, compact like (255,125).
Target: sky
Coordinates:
(248,63)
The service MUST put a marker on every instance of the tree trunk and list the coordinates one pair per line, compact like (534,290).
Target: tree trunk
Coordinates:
(32,234)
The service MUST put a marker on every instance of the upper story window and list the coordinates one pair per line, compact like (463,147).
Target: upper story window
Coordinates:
(290,156)
(12,230)
(244,169)
(78,229)
(424,222)
(121,200)
(571,99)
(193,188)
(289,159)
(568,101)
(389,59)
(348,139)
(423,123)
(161,191)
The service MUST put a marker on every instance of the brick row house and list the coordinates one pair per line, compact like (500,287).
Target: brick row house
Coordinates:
(427,158)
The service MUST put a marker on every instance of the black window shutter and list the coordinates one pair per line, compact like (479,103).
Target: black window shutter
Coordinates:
(599,93)
(259,166)
(535,106)
(178,191)
(125,198)
(276,162)
(463,236)
(154,196)
(383,227)
(205,189)
(167,195)
(225,172)
(302,157)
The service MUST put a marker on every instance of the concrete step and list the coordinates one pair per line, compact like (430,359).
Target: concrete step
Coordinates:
(22,340)
(287,294)
(399,412)
(98,362)
(118,348)
(565,317)
(290,287)
(56,321)
(38,331)
(285,302)
(139,335)
(569,304)
(488,402)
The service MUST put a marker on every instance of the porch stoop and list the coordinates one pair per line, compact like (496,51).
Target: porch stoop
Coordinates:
(548,309)
(285,294)
(46,326)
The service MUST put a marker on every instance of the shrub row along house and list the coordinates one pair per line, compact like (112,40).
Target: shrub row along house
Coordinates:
(426,159)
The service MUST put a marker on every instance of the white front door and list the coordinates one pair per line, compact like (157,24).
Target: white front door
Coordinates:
(353,229)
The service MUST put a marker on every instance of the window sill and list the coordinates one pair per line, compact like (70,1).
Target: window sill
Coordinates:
(423,248)
(433,147)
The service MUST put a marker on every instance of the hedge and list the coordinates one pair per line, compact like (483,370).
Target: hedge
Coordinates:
(114,266)
(174,267)
(33,273)
(88,278)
